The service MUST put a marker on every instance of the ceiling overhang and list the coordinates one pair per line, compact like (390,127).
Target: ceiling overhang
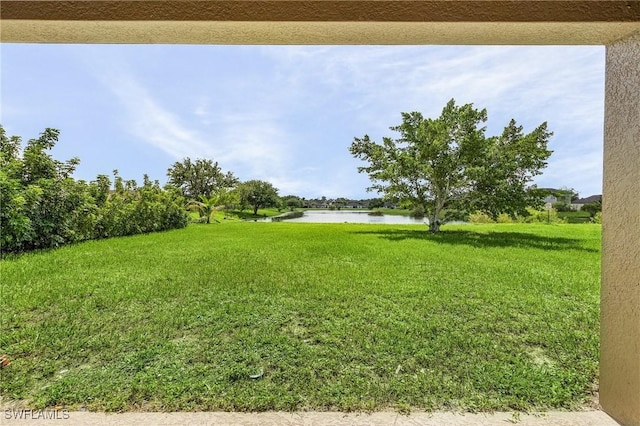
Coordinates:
(320,21)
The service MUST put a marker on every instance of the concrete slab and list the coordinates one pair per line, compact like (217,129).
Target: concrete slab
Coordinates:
(43,417)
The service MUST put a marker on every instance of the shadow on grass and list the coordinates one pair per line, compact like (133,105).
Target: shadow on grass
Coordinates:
(483,240)
(246,215)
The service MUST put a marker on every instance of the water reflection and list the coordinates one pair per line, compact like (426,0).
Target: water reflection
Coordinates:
(346,216)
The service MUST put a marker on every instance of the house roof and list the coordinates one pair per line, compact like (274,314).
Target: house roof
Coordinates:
(590,199)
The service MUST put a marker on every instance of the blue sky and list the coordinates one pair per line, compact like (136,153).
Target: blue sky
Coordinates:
(287,114)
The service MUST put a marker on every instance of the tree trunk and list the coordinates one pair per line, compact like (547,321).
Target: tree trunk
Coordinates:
(255,210)
(434,224)
(434,220)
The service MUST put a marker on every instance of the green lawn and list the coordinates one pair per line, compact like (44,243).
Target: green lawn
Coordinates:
(284,316)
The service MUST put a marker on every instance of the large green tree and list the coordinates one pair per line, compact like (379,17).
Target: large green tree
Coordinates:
(258,194)
(436,163)
(199,178)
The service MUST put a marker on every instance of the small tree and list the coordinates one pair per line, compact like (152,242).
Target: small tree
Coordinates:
(258,194)
(222,199)
(564,194)
(206,207)
(227,199)
(340,202)
(592,208)
(376,203)
(292,202)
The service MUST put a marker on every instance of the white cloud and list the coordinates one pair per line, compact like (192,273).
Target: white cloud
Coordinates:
(202,109)
(250,144)
(255,142)
(149,121)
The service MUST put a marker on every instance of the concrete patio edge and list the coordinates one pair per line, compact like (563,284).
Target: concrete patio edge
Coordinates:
(307,418)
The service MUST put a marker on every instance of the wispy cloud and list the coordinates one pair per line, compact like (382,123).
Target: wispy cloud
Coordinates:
(252,143)
(148,120)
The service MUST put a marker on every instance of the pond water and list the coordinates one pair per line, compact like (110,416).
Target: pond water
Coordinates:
(360,216)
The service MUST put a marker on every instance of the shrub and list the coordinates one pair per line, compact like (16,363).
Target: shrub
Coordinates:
(376,203)
(480,217)
(562,207)
(287,215)
(15,225)
(133,210)
(417,212)
(597,218)
(540,216)
(575,216)
(592,208)
(504,218)
(41,206)
(451,215)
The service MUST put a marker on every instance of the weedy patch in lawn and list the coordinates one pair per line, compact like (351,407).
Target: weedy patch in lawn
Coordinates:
(282,316)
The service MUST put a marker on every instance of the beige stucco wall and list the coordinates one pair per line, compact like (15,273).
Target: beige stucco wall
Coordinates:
(620,308)
(290,32)
(320,21)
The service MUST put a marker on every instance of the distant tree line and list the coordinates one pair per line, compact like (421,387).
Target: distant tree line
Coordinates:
(208,189)
(42,206)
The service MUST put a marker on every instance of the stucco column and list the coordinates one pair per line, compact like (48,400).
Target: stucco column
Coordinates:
(620,296)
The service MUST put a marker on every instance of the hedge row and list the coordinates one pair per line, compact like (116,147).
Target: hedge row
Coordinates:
(42,206)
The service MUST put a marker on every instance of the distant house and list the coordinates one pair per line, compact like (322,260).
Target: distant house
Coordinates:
(549,201)
(355,204)
(577,204)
